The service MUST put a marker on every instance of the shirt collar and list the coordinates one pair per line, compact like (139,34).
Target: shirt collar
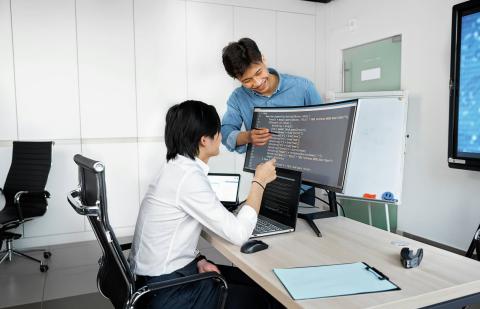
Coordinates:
(203,165)
(197,162)
(272,71)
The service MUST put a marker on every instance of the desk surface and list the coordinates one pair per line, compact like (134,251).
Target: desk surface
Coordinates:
(441,276)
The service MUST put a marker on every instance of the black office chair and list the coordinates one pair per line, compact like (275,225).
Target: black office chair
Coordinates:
(25,195)
(115,280)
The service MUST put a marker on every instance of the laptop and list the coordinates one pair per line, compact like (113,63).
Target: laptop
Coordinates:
(278,213)
(226,187)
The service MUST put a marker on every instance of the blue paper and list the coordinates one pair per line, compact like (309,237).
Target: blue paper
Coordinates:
(332,280)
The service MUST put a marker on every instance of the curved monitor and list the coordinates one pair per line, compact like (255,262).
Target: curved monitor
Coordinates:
(312,139)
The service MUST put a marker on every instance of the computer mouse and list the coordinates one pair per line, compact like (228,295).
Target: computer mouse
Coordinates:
(253,245)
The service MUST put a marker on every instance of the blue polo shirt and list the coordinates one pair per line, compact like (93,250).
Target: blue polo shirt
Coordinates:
(291,91)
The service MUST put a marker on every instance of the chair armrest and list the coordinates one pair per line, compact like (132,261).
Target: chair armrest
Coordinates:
(74,200)
(20,194)
(152,287)
(127,246)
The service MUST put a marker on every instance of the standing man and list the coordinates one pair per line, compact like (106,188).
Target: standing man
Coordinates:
(261,87)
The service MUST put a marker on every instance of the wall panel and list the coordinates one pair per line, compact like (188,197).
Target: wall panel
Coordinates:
(161,61)
(106,68)
(8,124)
(296,44)
(45,69)
(209,29)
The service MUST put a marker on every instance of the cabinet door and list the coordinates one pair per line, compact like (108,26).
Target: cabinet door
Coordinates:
(296,44)
(45,69)
(160,61)
(106,68)
(8,125)
(209,30)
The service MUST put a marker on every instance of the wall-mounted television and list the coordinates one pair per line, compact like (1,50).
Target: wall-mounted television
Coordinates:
(464,125)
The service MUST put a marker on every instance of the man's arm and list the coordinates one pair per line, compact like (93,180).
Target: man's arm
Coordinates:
(231,126)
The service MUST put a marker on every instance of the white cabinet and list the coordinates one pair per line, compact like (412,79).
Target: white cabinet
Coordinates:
(45,69)
(209,29)
(296,44)
(160,61)
(8,123)
(106,62)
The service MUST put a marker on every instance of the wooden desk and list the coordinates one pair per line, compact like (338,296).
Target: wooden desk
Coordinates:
(442,275)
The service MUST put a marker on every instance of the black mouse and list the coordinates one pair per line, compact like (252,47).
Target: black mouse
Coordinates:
(253,245)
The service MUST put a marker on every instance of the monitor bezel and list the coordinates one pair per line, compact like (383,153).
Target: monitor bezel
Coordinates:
(456,159)
(308,182)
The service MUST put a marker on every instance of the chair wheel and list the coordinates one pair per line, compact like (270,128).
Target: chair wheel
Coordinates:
(47,254)
(43,268)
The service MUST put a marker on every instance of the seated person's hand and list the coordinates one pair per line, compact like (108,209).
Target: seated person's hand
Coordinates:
(265,172)
(260,137)
(205,266)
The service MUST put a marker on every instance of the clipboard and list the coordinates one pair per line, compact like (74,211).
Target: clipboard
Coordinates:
(333,280)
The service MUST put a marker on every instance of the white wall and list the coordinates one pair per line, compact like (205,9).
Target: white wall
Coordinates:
(439,203)
(98,76)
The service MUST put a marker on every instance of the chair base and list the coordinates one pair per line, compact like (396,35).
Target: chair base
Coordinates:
(9,252)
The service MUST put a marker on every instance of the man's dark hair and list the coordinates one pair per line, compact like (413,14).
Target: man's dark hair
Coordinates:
(237,56)
(186,123)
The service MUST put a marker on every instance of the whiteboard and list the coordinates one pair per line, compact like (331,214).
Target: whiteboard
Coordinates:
(377,151)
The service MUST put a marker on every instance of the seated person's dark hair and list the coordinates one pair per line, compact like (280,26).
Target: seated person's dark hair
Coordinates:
(186,123)
(237,56)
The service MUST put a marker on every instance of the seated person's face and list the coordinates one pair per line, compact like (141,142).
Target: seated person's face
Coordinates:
(256,78)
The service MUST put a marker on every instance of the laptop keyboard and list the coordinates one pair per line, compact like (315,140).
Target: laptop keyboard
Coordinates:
(264,226)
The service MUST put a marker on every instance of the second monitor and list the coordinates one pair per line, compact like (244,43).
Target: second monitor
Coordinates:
(312,139)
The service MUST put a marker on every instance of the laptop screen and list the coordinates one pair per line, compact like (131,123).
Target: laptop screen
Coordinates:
(281,196)
(225,186)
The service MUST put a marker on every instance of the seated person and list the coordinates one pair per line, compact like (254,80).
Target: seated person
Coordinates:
(181,201)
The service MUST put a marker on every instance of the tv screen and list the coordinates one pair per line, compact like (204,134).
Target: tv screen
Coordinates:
(314,140)
(464,127)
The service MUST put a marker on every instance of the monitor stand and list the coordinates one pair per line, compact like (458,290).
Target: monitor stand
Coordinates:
(310,216)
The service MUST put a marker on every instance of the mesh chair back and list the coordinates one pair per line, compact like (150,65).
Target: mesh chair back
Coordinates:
(31,162)
(115,280)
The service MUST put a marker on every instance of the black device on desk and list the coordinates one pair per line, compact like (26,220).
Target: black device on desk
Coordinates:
(312,139)
(278,211)
(409,259)
(252,246)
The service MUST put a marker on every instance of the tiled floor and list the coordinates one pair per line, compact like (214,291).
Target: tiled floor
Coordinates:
(71,278)
(72,272)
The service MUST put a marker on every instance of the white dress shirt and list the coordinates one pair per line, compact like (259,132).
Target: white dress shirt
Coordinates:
(176,206)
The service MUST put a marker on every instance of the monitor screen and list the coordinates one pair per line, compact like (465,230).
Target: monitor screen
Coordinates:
(225,186)
(314,140)
(464,136)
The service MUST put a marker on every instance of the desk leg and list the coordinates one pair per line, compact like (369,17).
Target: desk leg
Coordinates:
(387,217)
(369,213)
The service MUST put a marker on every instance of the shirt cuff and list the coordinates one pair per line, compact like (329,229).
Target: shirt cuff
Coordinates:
(232,143)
